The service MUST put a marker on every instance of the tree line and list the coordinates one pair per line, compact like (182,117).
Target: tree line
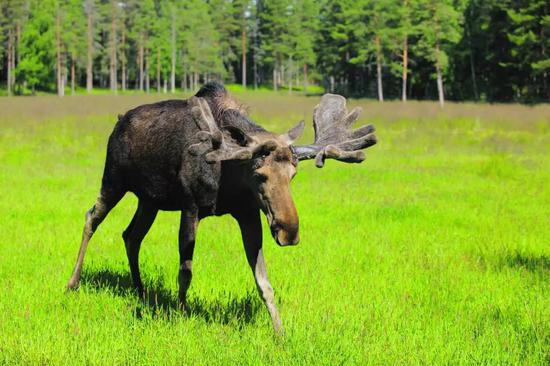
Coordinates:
(489,50)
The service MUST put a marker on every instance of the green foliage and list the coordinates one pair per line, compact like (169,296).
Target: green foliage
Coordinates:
(201,39)
(37,48)
(485,50)
(439,28)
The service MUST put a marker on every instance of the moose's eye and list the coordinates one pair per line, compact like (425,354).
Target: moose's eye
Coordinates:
(260,177)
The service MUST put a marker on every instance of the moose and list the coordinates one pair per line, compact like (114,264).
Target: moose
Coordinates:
(203,156)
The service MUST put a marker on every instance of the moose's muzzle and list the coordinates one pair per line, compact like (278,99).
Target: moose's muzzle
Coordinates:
(285,234)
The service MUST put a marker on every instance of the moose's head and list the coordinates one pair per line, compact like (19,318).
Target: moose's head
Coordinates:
(270,160)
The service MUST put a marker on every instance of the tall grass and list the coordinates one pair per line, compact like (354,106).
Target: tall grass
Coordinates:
(435,250)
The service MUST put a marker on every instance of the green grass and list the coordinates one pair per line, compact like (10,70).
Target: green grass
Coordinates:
(435,250)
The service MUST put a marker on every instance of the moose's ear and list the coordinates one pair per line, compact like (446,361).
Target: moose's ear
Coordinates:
(294,133)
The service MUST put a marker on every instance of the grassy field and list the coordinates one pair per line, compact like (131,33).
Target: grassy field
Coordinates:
(435,250)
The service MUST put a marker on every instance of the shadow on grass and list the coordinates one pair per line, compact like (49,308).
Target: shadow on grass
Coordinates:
(535,264)
(162,302)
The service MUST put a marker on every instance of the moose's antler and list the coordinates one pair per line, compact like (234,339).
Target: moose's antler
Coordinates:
(217,145)
(333,140)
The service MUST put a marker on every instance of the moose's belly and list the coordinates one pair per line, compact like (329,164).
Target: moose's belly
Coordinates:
(172,193)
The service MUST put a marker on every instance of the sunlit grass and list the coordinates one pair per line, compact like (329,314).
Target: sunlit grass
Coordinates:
(435,250)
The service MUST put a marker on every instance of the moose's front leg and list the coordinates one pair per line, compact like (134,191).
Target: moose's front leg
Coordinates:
(188,231)
(251,230)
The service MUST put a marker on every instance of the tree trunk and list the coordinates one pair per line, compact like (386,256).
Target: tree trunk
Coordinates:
(472,67)
(17,44)
(439,77)
(10,54)
(113,61)
(123,60)
(158,70)
(255,71)
(147,77)
(173,69)
(275,77)
(184,76)
(305,79)
(405,67)
(89,63)
(60,85)
(379,69)
(243,51)
(140,61)
(290,77)
(13,66)
(72,74)
(473,73)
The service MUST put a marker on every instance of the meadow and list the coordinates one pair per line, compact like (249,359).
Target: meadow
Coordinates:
(435,250)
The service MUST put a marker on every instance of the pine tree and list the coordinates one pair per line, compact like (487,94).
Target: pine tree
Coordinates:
(272,29)
(90,9)
(14,14)
(38,46)
(308,22)
(73,35)
(373,32)
(530,24)
(141,14)
(440,26)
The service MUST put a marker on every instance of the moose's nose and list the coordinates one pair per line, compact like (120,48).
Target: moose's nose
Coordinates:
(285,235)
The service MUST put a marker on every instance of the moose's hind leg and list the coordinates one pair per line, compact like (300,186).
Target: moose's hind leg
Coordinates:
(133,236)
(94,216)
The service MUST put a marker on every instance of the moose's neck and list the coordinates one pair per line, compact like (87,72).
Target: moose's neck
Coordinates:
(234,194)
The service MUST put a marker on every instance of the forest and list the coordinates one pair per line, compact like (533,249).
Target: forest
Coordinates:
(477,50)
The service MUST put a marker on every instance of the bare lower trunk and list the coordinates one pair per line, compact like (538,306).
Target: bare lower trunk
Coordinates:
(140,61)
(439,77)
(60,81)
(473,72)
(405,66)
(89,63)
(10,54)
(72,74)
(147,78)
(123,60)
(305,79)
(113,60)
(290,79)
(379,69)
(243,52)
(255,70)
(274,78)
(184,77)
(173,65)
(158,70)
(17,45)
